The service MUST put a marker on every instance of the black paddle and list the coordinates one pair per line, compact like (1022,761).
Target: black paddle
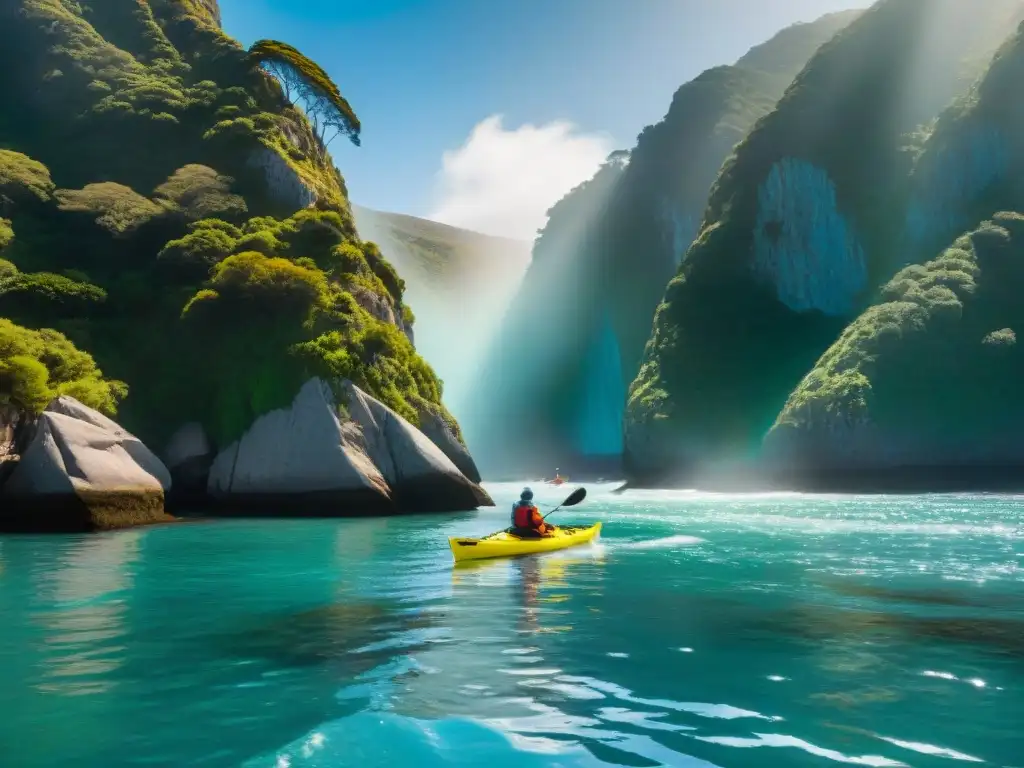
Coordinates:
(574,498)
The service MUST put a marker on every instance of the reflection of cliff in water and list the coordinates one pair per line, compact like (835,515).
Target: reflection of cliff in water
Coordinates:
(83,634)
(76,636)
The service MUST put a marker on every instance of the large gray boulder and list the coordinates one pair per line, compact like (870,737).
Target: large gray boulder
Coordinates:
(418,471)
(304,454)
(323,457)
(442,435)
(83,471)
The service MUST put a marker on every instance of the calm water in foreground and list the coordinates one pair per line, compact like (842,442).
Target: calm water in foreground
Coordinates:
(703,630)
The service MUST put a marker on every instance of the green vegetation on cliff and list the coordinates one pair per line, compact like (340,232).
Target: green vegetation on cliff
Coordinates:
(804,221)
(165,206)
(928,375)
(36,366)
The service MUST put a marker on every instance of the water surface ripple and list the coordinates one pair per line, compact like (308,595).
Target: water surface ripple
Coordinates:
(702,630)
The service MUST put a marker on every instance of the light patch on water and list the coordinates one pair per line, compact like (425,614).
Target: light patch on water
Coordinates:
(539,671)
(576,692)
(717,711)
(929,749)
(640,719)
(943,675)
(617,655)
(781,740)
(662,543)
(312,744)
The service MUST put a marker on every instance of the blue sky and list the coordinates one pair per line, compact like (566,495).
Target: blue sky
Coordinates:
(423,75)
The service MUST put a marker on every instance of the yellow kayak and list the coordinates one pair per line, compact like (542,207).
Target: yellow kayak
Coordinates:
(505,544)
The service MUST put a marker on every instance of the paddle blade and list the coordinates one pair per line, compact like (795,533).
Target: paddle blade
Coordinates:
(575,497)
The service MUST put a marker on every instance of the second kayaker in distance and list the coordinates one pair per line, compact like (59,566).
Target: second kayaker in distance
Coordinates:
(527,521)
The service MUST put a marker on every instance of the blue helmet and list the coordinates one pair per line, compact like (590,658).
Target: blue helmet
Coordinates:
(526,495)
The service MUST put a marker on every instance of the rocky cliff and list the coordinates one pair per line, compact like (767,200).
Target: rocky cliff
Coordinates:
(926,378)
(601,263)
(213,276)
(804,221)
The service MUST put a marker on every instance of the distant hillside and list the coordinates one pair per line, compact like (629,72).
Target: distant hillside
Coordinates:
(440,256)
(458,283)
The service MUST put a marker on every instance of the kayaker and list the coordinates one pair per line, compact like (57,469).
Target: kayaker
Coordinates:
(526,517)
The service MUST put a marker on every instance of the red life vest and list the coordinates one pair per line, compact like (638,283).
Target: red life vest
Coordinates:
(522,514)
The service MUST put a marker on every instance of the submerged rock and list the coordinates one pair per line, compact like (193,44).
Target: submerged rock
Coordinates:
(83,471)
(362,458)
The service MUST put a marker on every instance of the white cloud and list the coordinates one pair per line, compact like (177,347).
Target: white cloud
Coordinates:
(502,182)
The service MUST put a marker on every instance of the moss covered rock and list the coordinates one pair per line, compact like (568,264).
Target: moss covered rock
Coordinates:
(804,221)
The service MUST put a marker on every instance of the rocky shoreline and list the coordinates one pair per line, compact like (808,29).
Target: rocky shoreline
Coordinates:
(334,452)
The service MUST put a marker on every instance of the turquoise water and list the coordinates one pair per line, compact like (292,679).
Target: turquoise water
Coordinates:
(703,630)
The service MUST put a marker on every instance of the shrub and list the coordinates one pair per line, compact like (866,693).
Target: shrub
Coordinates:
(346,259)
(118,209)
(394,284)
(264,241)
(36,366)
(22,177)
(216,224)
(199,192)
(6,233)
(190,258)
(251,284)
(41,296)
(311,232)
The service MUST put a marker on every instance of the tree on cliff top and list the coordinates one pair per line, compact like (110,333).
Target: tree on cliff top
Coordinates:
(305,83)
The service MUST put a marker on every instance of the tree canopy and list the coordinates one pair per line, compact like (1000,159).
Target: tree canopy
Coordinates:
(307,85)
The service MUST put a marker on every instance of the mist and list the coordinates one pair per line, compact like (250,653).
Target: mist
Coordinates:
(459,285)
